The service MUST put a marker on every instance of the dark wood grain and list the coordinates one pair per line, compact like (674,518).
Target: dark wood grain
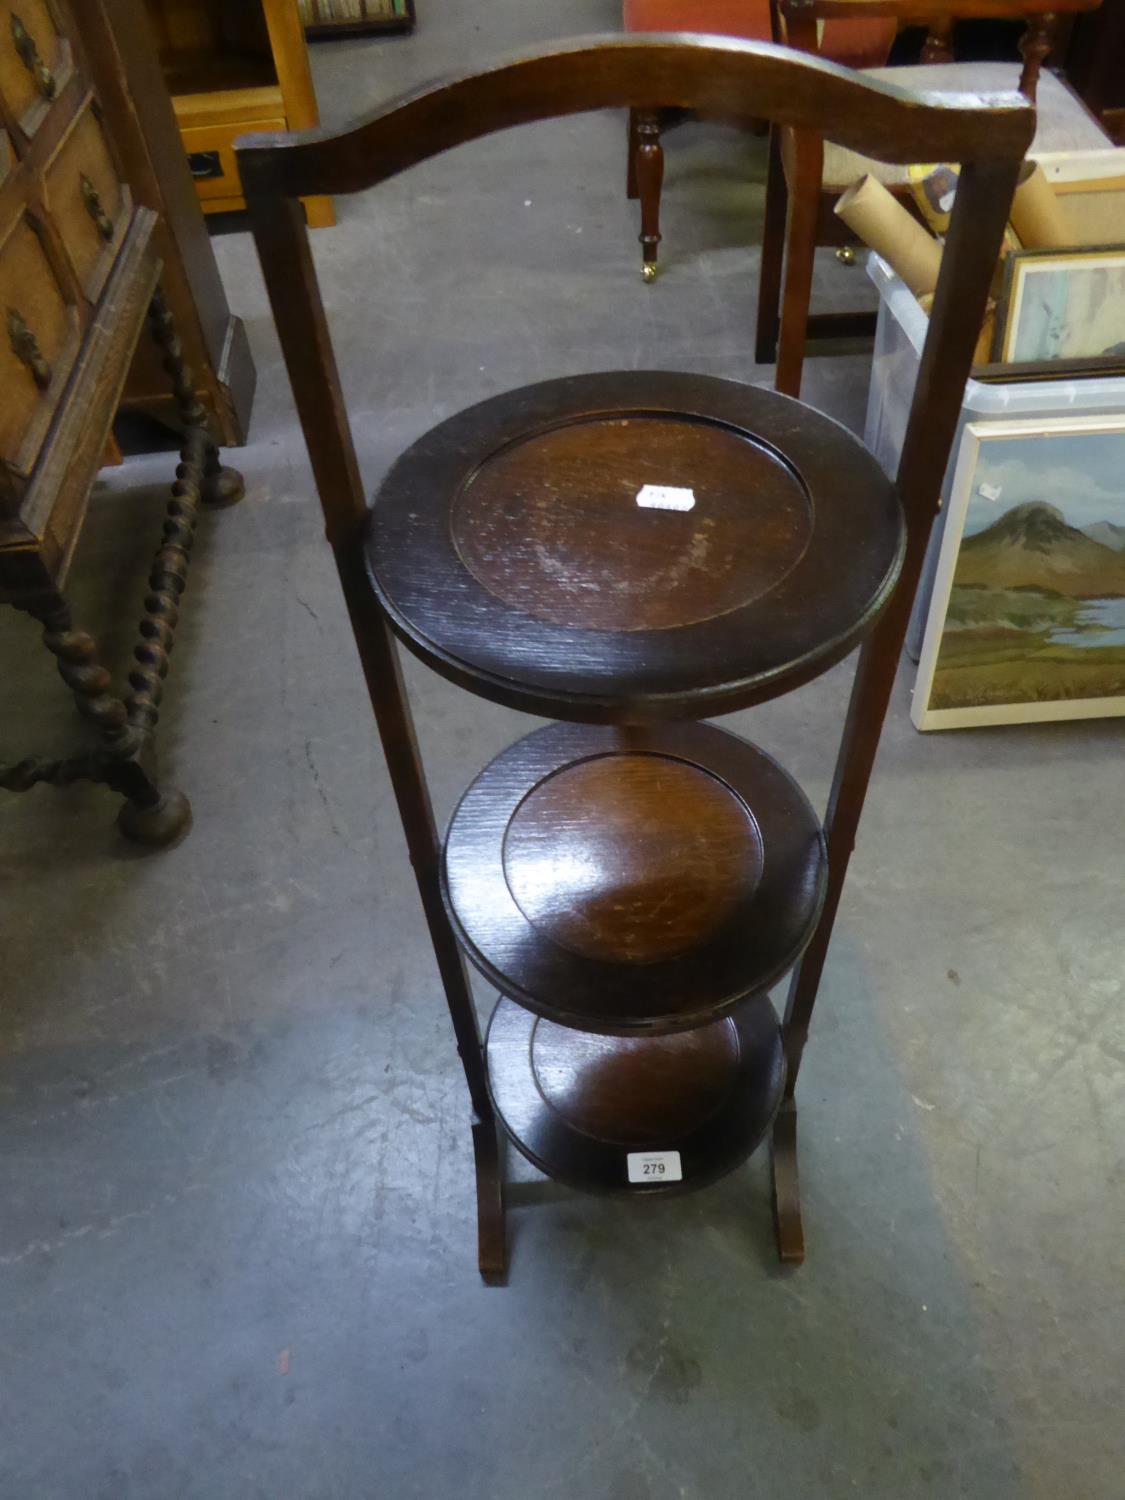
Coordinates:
(551,523)
(576,1105)
(719,77)
(631,857)
(509,551)
(590,932)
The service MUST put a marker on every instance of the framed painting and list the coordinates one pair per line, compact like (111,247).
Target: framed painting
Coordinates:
(1062,306)
(1027,618)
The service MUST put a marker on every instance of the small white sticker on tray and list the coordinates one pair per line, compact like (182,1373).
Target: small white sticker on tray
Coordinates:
(654,1166)
(665,497)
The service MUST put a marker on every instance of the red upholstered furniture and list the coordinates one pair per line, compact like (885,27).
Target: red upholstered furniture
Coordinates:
(862,43)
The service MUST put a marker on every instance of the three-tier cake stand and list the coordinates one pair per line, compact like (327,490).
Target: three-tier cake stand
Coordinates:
(628,554)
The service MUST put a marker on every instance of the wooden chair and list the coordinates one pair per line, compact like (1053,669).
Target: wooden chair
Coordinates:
(548,606)
(805,178)
(863,43)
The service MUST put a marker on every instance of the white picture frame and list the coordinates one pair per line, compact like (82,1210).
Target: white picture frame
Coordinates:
(1027,623)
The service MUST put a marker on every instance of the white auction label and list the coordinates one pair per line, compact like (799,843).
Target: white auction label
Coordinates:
(665,497)
(654,1166)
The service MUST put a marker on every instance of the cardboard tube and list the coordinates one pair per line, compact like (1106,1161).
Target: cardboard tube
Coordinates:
(886,226)
(982,354)
(1037,215)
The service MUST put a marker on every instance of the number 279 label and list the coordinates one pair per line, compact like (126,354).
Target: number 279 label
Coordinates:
(654,1166)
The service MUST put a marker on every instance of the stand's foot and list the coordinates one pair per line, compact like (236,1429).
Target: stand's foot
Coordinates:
(648,270)
(492,1248)
(156,823)
(786,1186)
(222,487)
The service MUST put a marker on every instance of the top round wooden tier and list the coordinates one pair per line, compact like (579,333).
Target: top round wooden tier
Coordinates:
(514,551)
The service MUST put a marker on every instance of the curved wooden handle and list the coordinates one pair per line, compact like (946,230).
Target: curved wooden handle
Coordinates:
(718,77)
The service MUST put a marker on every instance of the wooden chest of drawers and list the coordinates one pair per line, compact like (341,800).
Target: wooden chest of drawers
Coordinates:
(64,211)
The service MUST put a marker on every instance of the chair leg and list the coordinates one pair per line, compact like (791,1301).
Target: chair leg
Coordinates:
(1035,47)
(773,256)
(632,190)
(804,203)
(649,158)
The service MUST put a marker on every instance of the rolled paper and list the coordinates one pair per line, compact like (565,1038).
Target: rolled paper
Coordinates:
(1037,215)
(886,226)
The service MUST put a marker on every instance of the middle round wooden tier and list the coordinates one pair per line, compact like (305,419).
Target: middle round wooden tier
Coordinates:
(635,545)
(633,880)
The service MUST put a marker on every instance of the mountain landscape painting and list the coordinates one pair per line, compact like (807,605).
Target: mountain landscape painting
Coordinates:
(1028,616)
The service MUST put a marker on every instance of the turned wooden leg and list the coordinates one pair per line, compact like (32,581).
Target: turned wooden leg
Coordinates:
(786,1186)
(492,1247)
(649,158)
(76,654)
(1035,48)
(938,46)
(631,188)
(219,485)
(151,814)
(804,202)
(773,255)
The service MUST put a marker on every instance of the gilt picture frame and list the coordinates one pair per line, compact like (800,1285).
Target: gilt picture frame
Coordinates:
(1026,622)
(1062,311)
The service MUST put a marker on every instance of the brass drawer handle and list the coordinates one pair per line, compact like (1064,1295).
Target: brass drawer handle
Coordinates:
(26,349)
(29,56)
(90,197)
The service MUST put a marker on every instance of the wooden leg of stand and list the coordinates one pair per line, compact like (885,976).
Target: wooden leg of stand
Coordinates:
(787,1186)
(800,256)
(773,255)
(391,706)
(492,1244)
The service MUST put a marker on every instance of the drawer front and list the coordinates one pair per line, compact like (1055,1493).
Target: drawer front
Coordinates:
(34,60)
(38,342)
(210,150)
(87,202)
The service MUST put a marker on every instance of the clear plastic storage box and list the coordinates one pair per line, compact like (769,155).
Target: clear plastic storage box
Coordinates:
(899,337)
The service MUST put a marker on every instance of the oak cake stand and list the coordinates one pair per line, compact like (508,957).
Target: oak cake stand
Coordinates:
(628,553)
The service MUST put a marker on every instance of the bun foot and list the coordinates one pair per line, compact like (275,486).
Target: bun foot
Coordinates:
(157,824)
(225,487)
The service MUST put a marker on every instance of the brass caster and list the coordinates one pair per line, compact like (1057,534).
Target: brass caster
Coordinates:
(846,255)
(648,270)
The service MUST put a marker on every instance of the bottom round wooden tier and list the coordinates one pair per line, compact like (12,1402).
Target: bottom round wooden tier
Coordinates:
(636,1114)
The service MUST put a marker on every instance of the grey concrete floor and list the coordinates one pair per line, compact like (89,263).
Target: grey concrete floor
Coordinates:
(236,1192)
